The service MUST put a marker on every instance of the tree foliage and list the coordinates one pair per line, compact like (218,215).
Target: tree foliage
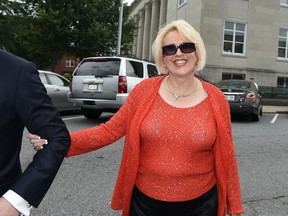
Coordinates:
(43,31)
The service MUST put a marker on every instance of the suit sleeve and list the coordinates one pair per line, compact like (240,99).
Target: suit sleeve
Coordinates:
(36,111)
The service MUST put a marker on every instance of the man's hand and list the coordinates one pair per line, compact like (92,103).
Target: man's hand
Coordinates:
(36,142)
(6,209)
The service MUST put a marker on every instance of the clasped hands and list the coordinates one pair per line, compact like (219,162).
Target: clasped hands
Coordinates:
(36,141)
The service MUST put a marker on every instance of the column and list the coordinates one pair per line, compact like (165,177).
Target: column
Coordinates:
(154,26)
(146,36)
(135,38)
(140,35)
(163,13)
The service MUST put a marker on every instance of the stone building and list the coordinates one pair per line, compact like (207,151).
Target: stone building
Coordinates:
(243,38)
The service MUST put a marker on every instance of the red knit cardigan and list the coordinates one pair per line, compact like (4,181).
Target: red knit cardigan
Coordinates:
(126,122)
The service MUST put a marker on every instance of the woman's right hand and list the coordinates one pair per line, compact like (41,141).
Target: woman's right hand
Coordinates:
(36,142)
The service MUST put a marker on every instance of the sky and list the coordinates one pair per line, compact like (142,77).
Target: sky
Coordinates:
(128,1)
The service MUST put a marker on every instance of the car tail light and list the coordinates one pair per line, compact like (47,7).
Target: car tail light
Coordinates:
(251,96)
(122,84)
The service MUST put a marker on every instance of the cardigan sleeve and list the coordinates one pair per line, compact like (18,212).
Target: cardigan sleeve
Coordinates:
(227,174)
(234,199)
(90,139)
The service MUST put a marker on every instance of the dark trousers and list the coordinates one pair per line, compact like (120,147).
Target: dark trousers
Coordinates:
(205,205)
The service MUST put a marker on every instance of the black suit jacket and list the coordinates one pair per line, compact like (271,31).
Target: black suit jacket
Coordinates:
(25,103)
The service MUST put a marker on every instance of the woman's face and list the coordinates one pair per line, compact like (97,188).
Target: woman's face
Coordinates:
(180,64)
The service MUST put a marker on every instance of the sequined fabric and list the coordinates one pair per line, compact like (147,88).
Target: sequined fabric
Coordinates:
(127,122)
(176,151)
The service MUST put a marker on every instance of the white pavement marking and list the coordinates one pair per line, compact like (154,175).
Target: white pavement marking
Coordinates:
(71,118)
(274,118)
(104,115)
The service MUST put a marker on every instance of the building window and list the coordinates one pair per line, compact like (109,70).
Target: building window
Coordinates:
(70,63)
(283,44)
(230,76)
(284,2)
(282,82)
(234,38)
(181,2)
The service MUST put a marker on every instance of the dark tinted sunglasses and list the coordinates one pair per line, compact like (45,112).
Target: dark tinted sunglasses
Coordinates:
(172,48)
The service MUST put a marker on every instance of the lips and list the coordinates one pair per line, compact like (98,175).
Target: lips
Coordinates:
(180,62)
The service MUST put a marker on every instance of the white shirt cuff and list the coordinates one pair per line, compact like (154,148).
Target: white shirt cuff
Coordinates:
(18,202)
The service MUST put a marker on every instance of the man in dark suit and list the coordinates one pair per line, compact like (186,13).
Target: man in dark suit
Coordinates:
(25,103)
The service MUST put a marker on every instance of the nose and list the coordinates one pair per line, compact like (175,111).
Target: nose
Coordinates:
(178,51)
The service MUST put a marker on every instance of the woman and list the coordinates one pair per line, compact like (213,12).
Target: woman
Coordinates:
(178,156)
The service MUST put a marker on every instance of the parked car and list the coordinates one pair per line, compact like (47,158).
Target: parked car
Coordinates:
(243,96)
(102,84)
(57,88)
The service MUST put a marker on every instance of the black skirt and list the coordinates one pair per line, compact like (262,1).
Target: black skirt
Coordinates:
(205,205)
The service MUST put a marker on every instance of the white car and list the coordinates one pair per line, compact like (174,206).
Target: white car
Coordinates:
(102,84)
(57,88)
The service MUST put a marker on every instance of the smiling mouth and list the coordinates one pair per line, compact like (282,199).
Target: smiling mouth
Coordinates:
(180,62)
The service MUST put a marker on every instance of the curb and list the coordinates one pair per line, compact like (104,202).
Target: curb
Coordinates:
(275,109)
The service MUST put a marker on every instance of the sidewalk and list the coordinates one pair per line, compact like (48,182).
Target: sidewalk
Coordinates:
(275,109)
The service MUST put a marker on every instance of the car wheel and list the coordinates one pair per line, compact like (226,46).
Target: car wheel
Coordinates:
(256,117)
(91,113)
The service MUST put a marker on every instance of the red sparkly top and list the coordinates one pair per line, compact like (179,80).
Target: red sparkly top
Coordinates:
(176,151)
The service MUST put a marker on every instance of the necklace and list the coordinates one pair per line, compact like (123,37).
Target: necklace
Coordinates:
(175,95)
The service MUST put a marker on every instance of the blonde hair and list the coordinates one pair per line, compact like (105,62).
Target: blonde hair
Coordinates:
(188,33)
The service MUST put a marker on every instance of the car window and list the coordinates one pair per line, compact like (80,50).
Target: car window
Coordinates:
(152,70)
(56,80)
(234,84)
(134,69)
(43,78)
(99,67)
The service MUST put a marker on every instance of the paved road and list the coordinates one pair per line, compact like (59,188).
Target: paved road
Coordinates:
(262,152)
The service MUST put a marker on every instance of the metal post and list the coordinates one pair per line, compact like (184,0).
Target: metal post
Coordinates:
(120,28)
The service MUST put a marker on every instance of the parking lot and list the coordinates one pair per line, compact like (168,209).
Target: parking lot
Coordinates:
(262,158)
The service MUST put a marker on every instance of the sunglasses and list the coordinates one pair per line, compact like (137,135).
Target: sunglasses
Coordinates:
(172,48)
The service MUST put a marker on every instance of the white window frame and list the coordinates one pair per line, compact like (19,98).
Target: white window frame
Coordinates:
(181,3)
(284,3)
(283,38)
(234,33)
(70,63)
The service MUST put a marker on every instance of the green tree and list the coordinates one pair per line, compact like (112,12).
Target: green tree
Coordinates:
(43,31)
(5,29)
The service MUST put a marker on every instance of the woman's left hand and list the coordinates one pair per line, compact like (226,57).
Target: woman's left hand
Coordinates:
(36,142)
